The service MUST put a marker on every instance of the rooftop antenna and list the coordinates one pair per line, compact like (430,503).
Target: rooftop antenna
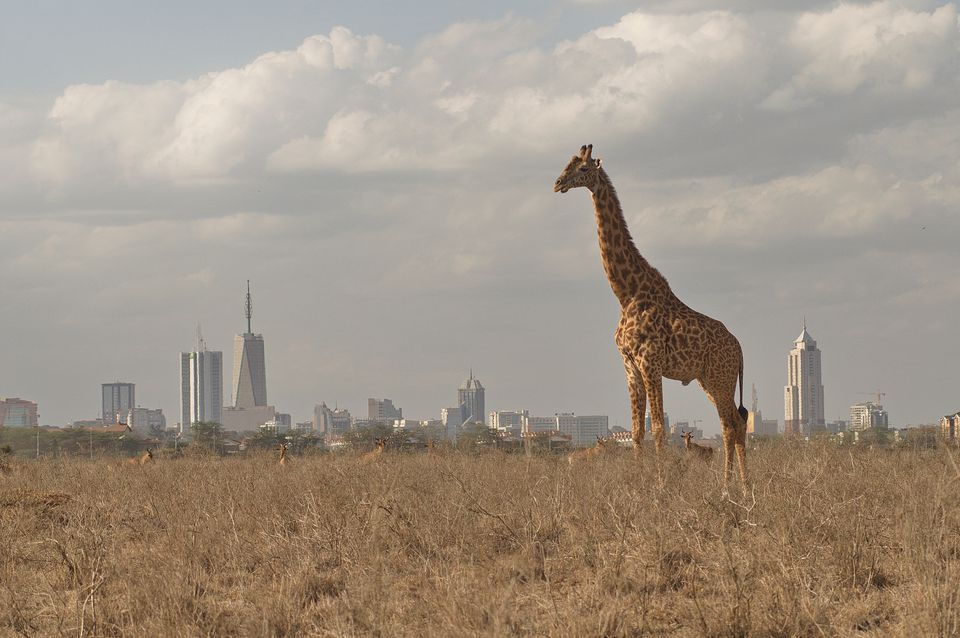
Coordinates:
(201,344)
(248,308)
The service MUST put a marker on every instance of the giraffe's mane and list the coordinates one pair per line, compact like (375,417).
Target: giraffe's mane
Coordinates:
(626,228)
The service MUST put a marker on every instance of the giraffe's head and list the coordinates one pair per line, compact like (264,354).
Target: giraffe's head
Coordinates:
(581,170)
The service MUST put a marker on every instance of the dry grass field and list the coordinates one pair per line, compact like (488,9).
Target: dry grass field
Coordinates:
(832,542)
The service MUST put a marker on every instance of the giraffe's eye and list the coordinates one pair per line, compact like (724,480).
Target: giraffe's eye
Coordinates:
(583,169)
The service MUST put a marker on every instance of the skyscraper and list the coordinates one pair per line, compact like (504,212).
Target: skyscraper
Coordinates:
(117,401)
(803,394)
(471,400)
(249,368)
(201,387)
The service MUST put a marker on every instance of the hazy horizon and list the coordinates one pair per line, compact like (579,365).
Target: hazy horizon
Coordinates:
(384,180)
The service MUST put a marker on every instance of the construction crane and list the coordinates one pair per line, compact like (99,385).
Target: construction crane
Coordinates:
(877,394)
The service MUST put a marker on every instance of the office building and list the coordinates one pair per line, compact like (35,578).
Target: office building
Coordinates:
(471,398)
(383,411)
(17,413)
(803,394)
(117,401)
(509,422)
(864,416)
(146,420)
(331,423)
(201,387)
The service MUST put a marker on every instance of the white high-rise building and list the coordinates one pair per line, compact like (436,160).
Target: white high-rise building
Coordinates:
(201,387)
(864,416)
(249,365)
(803,394)
(117,400)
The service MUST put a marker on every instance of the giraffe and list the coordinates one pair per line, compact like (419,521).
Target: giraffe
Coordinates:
(658,335)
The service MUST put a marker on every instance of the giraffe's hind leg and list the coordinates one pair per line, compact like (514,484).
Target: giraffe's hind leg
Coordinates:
(721,392)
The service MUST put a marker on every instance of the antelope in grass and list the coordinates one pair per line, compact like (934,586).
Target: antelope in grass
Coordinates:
(146,457)
(371,457)
(700,451)
(283,454)
(590,452)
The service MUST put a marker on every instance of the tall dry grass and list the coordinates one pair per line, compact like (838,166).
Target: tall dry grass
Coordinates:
(831,542)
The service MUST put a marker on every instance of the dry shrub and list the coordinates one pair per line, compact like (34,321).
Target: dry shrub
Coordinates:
(829,541)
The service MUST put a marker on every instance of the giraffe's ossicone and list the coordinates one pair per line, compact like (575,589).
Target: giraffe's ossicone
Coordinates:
(658,335)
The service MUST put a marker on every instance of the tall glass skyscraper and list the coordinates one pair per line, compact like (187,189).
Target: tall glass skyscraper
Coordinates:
(201,387)
(803,394)
(249,365)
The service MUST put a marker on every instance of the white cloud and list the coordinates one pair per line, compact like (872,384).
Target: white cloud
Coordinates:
(347,175)
(881,46)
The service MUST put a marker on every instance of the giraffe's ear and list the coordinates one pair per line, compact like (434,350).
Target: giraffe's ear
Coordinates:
(599,162)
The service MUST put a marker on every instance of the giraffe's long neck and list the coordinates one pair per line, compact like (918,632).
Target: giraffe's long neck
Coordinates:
(630,275)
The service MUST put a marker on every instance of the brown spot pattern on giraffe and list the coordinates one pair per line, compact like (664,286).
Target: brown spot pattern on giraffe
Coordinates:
(658,335)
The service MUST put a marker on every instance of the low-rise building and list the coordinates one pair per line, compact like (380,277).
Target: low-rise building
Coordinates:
(582,430)
(331,423)
(16,412)
(950,427)
(146,420)
(509,422)
(865,416)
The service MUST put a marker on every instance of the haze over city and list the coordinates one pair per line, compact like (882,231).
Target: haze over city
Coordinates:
(384,178)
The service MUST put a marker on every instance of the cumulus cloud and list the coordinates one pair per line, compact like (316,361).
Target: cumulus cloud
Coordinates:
(813,142)
(882,47)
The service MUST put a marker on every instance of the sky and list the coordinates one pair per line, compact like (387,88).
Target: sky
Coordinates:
(382,174)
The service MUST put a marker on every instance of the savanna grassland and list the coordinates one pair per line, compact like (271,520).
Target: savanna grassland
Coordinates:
(831,541)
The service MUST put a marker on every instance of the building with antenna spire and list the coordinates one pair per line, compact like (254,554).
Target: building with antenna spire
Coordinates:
(249,367)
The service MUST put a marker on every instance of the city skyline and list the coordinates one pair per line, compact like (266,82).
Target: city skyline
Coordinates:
(386,182)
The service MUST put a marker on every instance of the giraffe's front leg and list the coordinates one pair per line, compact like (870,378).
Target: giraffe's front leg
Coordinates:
(638,400)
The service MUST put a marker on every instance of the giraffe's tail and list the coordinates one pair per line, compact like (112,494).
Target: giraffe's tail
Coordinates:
(742,410)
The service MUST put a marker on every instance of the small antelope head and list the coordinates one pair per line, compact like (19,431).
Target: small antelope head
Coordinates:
(687,437)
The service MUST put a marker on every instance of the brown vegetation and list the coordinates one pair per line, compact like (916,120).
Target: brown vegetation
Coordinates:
(832,541)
